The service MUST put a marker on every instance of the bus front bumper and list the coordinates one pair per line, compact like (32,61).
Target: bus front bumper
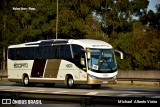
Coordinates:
(107,81)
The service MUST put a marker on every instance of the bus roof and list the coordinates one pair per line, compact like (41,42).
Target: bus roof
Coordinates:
(91,43)
(86,43)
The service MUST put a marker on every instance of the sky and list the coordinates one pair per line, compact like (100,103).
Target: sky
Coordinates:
(152,4)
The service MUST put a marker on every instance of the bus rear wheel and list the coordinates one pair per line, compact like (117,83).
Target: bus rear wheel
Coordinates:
(96,86)
(26,81)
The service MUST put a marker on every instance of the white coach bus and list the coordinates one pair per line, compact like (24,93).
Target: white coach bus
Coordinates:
(69,61)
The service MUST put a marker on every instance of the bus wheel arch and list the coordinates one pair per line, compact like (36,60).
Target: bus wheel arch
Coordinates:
(25,79)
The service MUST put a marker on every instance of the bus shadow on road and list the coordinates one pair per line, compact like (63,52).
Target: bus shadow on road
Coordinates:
(63,86)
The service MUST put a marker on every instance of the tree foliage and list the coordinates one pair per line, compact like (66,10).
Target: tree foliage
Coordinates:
(109,20)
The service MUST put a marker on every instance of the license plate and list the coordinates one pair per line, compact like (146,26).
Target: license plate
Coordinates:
(105,81)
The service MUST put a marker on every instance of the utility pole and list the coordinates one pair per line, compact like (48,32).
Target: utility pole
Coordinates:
(57,22)
(4,53)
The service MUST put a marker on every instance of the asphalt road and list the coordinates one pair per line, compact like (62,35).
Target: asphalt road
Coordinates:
(105,91)
(150,92)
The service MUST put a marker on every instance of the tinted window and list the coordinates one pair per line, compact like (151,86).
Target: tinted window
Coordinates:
(21,53)
(61,52)
(39,52)
(55,52)
(47,52)
(79,56)
(29,53)
(65,52)
(42,52)
(12,54)
(76,50)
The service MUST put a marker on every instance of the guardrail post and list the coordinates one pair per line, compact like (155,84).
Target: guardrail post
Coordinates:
(131,82)
(83,102)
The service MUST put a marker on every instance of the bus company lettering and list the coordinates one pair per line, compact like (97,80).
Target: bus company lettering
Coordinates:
(20,65)
(69,65)
(100,45)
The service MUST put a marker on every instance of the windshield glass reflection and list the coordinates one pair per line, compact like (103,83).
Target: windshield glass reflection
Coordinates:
(102,60)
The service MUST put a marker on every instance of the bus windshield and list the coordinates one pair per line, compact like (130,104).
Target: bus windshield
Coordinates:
(102,61)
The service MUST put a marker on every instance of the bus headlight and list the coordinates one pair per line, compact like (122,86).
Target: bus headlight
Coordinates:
(114,78)
(92,76)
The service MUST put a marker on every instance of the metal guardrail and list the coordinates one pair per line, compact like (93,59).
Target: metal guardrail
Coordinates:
(140,79)
(2,65)
(3,76)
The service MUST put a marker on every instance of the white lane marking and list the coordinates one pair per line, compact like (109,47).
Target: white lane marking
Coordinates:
(135,92)
(7,90)
(60,92)
(155,97)
(124,95)
(17,89)
(29,91)
(92,93)
(40,90)
(12,89)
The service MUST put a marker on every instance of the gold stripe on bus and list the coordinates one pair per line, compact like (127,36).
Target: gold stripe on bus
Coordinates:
(15,80)
(46,81)
(80,82)
(52,68)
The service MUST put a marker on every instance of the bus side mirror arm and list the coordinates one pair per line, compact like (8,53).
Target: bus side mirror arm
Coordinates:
(88,53)
(121,53)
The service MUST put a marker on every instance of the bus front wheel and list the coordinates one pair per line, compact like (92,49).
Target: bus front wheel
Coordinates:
(70,82)
(26,81)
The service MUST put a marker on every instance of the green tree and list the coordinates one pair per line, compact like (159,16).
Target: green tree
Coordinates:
(108,20)
(140,47)
(117,15)
(152,19)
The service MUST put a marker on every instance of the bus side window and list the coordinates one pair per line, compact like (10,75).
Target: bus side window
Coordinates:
(65,52)
(29,53)
(18,55)
(12,54)
(79,55)
(55,52)
(76,50)
(47,52)
(38,52)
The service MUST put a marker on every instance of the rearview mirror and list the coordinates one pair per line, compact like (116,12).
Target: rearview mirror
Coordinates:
(121,53)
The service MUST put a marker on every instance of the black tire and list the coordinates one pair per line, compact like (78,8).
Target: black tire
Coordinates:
(26,81)
(70,82)
(96,86)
